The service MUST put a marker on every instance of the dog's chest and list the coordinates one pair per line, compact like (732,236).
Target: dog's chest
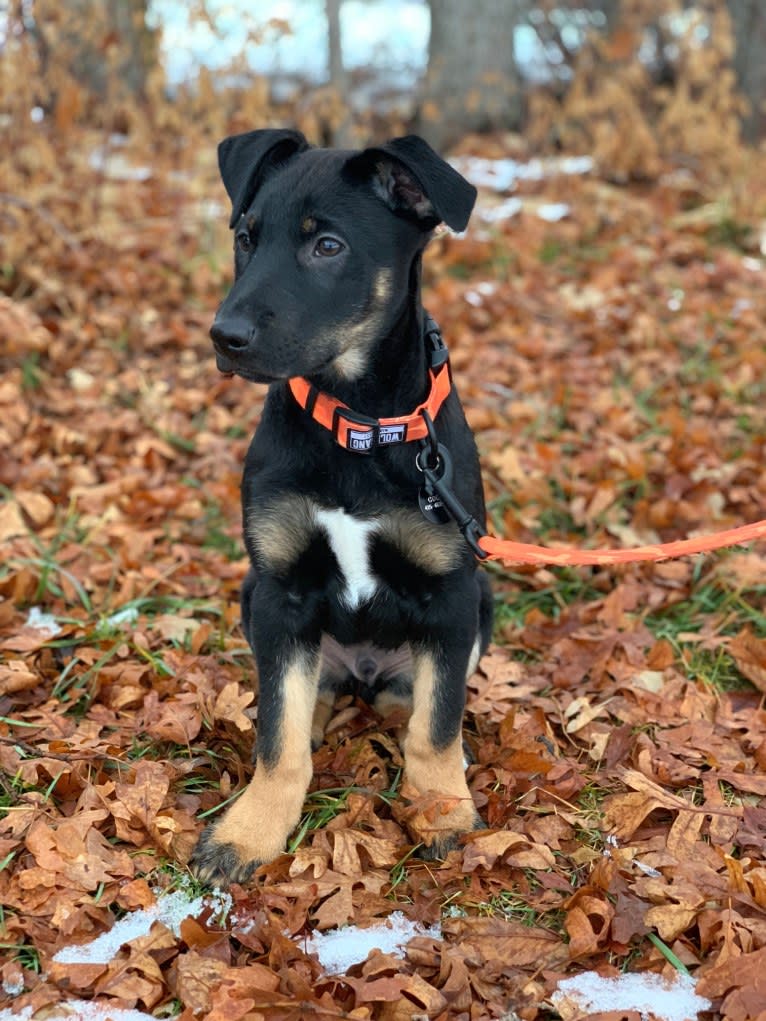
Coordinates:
(358,558)
(349,539)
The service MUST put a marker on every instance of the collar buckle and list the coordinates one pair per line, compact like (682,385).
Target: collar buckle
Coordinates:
(436,349)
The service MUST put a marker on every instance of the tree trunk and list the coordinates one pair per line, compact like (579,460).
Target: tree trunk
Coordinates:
(472,83)
(335,50)
(106,46)
(748,19)
(611,11)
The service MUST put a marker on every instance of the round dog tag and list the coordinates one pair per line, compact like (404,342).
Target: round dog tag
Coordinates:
(432,507)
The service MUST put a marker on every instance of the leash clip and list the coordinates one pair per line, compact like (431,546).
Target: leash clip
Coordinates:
(436,467)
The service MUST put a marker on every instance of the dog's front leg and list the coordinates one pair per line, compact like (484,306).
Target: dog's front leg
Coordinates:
(433,746)
(255,828)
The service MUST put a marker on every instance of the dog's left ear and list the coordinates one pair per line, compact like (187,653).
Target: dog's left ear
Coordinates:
(413,180)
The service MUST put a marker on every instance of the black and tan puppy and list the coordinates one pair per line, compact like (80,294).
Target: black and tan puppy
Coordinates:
(352,585)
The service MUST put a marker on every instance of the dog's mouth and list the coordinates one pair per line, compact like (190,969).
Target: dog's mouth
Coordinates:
(251,377)
(228,369)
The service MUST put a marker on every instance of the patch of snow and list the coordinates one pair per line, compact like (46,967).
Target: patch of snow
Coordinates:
(575,164)
(124,617)
(116,166)
(40,621)
(497,174)
(339,949)
(241,926)
(175,907)
(79,1010)
(170,909)
(13,988)
(647,870)
(552,212)
(221,902)
(79,379)
(504,174)
(741,305)
(455,911)
(647,993)
(505,211)
(210,209)
(611,843)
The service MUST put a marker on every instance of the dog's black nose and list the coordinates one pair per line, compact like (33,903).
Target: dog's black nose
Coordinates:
(231,335)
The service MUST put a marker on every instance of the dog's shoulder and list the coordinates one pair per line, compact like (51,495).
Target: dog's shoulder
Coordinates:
(282,528)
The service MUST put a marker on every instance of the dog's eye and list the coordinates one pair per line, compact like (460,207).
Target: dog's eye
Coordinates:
(328,246)
(243,242)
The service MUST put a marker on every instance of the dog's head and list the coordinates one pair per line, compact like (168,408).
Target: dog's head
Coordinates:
(325,242)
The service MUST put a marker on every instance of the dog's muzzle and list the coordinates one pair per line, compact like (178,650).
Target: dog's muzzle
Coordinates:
(233,340)
(232,337)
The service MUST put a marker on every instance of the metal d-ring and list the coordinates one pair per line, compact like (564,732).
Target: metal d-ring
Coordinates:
(427,467)
(431,445)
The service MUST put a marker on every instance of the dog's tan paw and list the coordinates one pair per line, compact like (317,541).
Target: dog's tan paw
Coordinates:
(220,863)
(449,840)
(254,829)
(440,848)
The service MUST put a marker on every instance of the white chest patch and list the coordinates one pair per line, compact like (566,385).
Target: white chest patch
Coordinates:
(349,540)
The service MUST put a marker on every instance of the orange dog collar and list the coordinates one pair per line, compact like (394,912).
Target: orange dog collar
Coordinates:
(363,434)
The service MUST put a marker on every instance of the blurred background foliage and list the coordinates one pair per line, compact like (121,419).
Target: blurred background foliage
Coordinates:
(99,98)
(628,81)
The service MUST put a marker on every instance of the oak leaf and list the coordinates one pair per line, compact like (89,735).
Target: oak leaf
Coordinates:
(742,971)
(11,521)
(346,846)
(484,849)
(230,705)
(749,653)
(178,720)
(37,506)
(16,676)
(499,941)
(173,627)
(587,924)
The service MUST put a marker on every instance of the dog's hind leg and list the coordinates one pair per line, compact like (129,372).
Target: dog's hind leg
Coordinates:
(323,710)
(255,828)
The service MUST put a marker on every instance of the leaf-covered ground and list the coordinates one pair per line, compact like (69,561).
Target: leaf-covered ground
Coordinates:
(613,364)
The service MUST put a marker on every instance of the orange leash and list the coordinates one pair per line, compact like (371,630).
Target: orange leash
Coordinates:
(362,434)
(525,553)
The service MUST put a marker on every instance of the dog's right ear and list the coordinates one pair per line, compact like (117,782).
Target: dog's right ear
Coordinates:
(244,159)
